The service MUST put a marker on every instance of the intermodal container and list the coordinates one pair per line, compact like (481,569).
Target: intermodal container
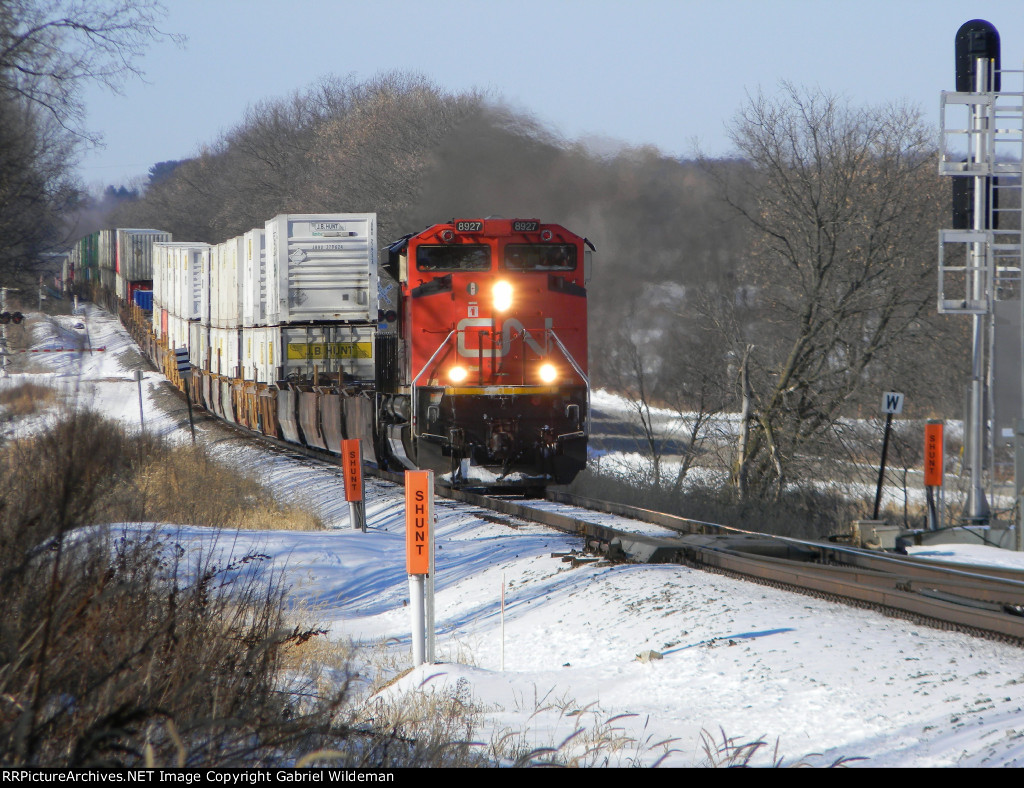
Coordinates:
(321,267)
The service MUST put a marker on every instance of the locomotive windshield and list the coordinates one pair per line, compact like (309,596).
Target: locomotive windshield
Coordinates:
(453,258)
(540,257)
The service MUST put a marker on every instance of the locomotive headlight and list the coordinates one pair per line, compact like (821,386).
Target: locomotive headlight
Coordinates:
(548,373)
(502,296)
(457,374)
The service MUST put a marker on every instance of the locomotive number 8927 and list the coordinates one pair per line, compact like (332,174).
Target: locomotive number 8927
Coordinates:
(482,373)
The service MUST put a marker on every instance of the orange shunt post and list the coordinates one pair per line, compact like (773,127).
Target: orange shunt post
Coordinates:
(353,470)
(933,460)
(417,522)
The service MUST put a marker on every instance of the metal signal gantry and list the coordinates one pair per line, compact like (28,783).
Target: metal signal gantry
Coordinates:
(980,258)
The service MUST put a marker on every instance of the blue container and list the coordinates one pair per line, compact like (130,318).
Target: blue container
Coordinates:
(144,299)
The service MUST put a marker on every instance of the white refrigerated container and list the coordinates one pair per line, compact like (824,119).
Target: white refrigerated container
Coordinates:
(254,278)
(321,267)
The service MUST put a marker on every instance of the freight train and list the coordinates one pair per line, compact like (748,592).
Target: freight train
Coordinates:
(462,350)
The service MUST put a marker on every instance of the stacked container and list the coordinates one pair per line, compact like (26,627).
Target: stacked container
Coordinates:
(134,259)
(161,288)
(226,308)
(107,260)
(178,272)
(88,259)
(321,267)
(321,299)
(254,279)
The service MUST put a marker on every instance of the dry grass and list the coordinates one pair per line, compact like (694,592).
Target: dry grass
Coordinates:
(727,752)
(26,399)
(183,484)
(589,738)
(131,358)
(413,729)
(122,648)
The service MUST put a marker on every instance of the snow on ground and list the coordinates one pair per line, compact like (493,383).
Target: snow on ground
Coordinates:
(737,657)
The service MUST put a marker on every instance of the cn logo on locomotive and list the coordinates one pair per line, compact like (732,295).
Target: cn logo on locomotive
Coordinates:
(510,329)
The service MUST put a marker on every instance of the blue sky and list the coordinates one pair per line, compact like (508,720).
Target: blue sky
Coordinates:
(668,73)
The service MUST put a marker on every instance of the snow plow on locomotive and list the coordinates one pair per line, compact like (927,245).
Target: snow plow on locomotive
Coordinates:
(465,353)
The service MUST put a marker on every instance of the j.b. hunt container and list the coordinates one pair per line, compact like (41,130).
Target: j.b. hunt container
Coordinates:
(339,352)
(321,267)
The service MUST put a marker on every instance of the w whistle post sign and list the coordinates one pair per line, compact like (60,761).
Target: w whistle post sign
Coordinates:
(419,500)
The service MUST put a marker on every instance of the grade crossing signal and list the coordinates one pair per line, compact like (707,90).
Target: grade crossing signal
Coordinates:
(11,317)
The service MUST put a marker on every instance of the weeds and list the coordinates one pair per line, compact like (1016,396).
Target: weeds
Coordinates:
(593,739)
(734,753)
(131,358)
(121,647)
(26,399)
(183,484)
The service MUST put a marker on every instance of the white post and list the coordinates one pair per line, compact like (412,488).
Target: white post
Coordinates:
(429,601)
(357,515)
(419,623)
(3,335)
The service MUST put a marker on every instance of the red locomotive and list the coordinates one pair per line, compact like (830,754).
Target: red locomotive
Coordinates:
(482,371)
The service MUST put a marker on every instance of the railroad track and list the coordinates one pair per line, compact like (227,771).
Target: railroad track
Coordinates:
(982,601)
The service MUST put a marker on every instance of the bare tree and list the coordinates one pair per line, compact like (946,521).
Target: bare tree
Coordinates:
(844,203)
(36,185)
(376,155)
(50,49)
(674,387)
(340,146)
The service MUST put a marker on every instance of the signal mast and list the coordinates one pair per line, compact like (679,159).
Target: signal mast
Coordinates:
(980,258)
